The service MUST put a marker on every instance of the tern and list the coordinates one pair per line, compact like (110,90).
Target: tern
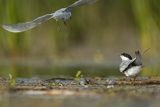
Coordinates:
(62,14)
(131,67)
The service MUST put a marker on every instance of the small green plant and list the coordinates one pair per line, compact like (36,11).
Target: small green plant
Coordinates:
(11,81)
(78,75)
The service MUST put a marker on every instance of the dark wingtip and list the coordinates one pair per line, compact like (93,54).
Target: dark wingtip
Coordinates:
(126,55)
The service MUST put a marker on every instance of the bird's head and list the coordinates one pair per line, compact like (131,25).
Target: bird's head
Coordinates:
(138,60)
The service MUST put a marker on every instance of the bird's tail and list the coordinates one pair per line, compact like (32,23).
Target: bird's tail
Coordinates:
(146,51)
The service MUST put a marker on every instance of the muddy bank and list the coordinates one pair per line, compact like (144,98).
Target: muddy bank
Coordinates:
(96,84)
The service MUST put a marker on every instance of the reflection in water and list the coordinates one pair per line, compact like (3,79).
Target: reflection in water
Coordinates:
(23,100)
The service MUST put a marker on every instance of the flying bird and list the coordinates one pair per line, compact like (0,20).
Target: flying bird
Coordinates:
(131,66)
(62,14)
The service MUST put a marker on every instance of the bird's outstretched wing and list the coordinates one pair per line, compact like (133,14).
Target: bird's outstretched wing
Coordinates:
(79,3)
(20,27)
(125,64)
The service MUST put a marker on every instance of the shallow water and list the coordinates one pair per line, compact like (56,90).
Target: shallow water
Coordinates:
(88,100)
(32,92)
(72,101)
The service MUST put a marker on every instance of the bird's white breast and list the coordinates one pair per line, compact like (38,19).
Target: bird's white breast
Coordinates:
(133,71)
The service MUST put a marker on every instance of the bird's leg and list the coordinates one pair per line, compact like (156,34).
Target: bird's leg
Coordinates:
(128,78)
(70,18)
(123,78)
(65,22)
(133,80)
(58,27)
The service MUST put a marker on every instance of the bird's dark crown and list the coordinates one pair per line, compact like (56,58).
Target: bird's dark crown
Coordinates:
(126,55)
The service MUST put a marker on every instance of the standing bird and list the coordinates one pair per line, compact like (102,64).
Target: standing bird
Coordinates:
(131,67)
(62,14)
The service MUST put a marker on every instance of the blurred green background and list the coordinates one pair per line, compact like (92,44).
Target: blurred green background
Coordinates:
(91,41)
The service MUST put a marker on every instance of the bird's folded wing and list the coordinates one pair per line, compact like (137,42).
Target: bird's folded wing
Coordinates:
(125,64)
(79,3)
(20,27)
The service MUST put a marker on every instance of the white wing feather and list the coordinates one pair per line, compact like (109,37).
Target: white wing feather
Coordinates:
(124,64)
(20,27)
